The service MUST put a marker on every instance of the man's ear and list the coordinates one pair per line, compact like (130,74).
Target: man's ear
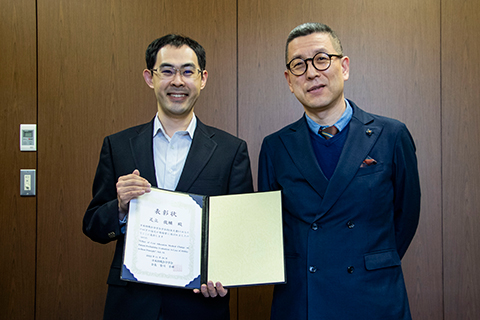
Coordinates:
(287,77)
(204,79)
(148,76)
(345,68)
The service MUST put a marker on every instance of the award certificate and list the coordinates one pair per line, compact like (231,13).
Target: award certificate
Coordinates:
(182,240)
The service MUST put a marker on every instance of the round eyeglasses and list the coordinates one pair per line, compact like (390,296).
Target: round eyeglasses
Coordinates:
(169,72)
(321,61)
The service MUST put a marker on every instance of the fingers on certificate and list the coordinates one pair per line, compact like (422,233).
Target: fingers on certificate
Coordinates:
(129,187)
(211,290)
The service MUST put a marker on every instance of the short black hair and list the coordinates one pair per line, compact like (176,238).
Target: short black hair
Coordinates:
(176,41)
(313,27)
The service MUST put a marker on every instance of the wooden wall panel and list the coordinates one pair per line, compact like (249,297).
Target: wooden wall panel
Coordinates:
(18,97)
(395,61)
(91,58)
(461,157)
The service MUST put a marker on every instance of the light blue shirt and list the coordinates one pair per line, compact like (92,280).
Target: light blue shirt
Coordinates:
(340,124)
(169,154)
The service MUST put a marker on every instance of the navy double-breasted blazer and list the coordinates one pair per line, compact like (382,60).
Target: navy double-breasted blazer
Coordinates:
(217,163)
(344,238)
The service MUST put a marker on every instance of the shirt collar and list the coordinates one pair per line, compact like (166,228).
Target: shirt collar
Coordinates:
(340,124)
(158,127)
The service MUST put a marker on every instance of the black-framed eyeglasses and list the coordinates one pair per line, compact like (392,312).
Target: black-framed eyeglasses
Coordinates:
(169,72)
(321,61)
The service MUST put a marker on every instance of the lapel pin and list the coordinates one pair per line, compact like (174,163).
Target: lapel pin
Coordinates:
(369,132)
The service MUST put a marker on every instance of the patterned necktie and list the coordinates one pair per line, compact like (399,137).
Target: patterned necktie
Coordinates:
(328,132)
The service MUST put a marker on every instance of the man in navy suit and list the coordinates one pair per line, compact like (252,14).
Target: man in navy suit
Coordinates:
(174,151)
(351,194)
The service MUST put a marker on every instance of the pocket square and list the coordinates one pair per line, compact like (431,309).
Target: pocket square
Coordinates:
(368,162)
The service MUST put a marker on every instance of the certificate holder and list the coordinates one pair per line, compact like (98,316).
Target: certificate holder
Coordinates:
(184,240)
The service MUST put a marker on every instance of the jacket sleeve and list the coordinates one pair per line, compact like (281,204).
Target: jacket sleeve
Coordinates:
(266,177)
(241,172)
(100,222)
(407,191)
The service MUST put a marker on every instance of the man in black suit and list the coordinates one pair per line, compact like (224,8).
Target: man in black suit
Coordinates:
(174,151)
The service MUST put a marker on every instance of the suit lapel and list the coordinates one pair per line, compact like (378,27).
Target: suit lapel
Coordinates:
(298,145)
(142,150)
(362,135)
(201,151)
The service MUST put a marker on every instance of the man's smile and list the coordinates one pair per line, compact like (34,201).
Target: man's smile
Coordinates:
(316,88)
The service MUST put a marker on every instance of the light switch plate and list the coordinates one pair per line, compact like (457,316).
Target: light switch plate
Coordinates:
(27,182)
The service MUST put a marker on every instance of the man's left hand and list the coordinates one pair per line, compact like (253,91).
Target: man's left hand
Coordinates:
(210,290)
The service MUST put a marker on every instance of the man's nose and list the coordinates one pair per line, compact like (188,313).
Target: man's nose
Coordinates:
(311,72)
(177,78)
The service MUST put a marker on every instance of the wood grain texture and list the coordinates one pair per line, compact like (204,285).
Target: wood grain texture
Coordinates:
(416,61)
(18,105)
(395,58)
(91,59)
(461,157)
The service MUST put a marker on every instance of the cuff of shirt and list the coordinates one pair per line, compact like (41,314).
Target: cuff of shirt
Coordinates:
(123,224)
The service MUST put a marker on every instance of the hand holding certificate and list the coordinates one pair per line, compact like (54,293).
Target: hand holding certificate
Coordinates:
(183,240)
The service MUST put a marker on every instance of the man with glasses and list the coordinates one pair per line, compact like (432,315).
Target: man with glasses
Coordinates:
(174,151)
(350,193)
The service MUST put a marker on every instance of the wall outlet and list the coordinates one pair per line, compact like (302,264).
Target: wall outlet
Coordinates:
(27,182)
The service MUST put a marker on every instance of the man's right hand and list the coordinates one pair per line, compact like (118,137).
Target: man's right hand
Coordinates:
(129,187)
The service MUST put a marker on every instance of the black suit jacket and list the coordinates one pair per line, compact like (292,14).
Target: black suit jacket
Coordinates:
(217,164)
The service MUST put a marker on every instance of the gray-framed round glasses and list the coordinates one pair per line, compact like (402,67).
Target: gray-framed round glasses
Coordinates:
(321,61)
(169,72)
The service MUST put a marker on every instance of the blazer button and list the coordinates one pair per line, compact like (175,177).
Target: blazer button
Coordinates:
(312,269)
(314,227)
(350,269)
(350,224)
